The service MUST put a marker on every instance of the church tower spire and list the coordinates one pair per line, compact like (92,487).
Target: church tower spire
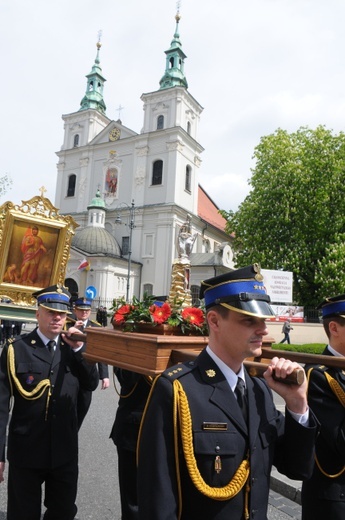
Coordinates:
(174,74)
(94,89)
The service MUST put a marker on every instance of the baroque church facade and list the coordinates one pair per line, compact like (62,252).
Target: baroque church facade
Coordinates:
(131,192)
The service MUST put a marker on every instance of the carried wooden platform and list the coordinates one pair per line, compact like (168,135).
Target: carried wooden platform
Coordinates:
(148,354)
(151,354)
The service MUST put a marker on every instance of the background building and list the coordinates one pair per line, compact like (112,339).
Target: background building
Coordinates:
(148,181)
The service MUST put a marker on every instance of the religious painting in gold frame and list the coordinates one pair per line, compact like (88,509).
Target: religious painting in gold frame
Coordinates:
(34,248)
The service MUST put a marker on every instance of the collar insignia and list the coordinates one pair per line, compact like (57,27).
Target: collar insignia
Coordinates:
(33,342)
(210,372)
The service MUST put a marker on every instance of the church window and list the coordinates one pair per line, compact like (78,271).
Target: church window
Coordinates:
(206,246)
(195,291)
(171,62)
(188,127)
(188,180)
(160,122)
(148,245)
(76,140)
(148,289)
(91,86)
(125,246)
(157,173)
(71,185)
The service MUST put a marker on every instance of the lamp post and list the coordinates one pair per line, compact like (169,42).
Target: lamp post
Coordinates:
(131,225)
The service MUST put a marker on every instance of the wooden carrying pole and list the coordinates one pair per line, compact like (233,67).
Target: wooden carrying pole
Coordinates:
(254,368)
(303,358)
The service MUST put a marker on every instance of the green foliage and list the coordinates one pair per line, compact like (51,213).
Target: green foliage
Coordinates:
(308,348)
(293,218)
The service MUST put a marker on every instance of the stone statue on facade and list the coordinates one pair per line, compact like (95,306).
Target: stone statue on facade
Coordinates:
(180,276)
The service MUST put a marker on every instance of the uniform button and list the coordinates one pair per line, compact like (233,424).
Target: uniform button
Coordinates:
(342,495)
(191,363)
(217,449)
(253,481)
(52,371)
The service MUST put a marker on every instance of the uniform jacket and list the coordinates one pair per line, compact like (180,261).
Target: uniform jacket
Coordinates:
(321,493)
(34,439)
(271,439)
(135,389)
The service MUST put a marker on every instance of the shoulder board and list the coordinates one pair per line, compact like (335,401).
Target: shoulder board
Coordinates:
(177,371)
(18,338)
(320,368)
(95,322)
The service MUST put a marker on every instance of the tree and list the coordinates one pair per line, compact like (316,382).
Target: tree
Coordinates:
(294,216)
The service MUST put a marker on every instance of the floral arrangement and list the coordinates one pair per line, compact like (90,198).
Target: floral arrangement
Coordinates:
(188,320)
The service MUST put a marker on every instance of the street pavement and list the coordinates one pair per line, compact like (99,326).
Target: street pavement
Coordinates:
(98,491)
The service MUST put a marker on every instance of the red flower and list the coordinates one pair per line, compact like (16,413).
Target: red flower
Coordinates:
(121,313)
(160,314)
(193,315)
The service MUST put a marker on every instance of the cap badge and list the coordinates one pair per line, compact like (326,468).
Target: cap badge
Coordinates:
(210,372)
(258,277)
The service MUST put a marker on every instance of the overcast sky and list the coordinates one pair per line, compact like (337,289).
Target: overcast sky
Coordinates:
(254,65)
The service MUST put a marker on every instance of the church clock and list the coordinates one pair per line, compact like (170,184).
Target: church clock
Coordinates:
(114,134)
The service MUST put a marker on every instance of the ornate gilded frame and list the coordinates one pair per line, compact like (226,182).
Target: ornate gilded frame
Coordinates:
(34,248)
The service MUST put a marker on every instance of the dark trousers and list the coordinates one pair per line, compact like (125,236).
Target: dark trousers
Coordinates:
(127,470)
(25,492)
(286,338)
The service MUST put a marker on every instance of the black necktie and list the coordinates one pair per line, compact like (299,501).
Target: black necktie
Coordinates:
(51,347)
(240,392)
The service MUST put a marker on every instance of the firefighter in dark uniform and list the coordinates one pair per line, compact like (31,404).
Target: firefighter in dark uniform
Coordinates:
(135,389)
(323,496)
(81,320)
(43,371)
(211,433)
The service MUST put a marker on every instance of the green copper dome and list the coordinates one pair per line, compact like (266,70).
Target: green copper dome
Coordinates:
(97,201)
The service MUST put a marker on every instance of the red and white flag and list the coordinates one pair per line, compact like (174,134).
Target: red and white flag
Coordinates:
(84,266)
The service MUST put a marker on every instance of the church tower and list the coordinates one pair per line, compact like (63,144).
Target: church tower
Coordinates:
(151,176)
(80,129)
(172,115)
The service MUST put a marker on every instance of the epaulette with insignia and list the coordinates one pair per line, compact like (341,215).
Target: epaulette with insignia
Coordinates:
(177,371)
(322,368)
(13,341)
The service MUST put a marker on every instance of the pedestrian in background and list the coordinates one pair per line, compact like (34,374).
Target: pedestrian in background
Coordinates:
(286,331)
